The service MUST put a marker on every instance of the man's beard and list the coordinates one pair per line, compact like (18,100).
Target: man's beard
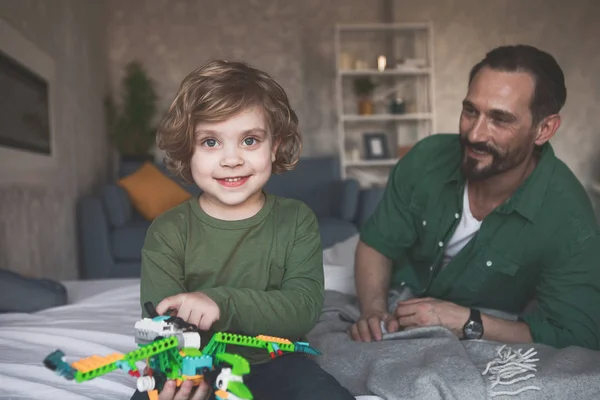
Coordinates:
(501,161)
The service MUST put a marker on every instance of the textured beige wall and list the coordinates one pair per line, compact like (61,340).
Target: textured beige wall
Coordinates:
(293,40)
(37,205)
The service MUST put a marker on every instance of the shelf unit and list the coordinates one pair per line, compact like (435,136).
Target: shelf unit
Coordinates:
(407,75)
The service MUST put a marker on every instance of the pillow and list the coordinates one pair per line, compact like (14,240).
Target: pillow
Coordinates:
(342,253)
(24,295)
(338,266)
(117,205)
(151,192)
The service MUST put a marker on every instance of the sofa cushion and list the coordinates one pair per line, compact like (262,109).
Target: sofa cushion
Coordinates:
(345,197)
(152,192)
(117,205)
(334,230)
(21,294)
(126,269)
(368,201)
(127,241)
(314,181)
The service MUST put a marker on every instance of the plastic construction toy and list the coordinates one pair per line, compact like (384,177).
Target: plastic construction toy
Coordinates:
(170,348)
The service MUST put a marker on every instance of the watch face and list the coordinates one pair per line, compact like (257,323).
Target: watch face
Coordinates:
(473,330)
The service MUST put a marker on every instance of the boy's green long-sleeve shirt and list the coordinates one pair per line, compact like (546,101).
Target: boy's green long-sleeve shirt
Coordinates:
(265,273)
(543,243)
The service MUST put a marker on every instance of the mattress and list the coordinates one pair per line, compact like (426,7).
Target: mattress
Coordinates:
(99,319)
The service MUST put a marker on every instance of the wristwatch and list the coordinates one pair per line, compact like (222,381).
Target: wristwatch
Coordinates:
(473,329)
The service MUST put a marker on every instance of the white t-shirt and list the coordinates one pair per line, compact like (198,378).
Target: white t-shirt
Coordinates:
(467,227)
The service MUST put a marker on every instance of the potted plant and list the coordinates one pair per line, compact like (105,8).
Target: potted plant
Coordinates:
(132,128)
(363,88)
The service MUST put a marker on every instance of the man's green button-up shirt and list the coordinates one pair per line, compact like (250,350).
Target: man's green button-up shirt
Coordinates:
(543,243)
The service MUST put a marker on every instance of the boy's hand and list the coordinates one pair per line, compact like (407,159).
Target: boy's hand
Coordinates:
(185,391)
(194,308)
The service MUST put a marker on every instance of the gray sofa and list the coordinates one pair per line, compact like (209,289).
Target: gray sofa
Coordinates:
(112,233)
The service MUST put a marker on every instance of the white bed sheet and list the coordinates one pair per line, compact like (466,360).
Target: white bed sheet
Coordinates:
(98,320)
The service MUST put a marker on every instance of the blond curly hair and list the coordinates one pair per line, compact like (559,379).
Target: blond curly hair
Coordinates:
(217,91)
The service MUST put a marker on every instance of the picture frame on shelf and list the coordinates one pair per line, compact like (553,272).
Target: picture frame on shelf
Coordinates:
(376,146)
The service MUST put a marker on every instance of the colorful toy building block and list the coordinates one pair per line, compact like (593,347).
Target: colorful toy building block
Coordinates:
(172,350)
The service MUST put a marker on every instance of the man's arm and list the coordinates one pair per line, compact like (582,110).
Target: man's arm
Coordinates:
(428,311)
(293,310)
(385,237)
(372,278)
(372,272)
(501,330)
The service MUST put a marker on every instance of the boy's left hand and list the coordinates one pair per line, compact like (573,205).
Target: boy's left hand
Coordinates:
(194,308)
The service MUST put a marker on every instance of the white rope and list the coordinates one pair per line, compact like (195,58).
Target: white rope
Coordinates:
(507,365)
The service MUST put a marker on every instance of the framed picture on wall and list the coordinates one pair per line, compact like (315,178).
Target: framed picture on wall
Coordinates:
(25,112)
(376,146)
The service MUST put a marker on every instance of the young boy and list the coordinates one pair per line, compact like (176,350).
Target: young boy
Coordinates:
(235,258)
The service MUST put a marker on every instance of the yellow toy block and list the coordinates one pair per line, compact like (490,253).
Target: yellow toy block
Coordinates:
(273,339)
(87,364)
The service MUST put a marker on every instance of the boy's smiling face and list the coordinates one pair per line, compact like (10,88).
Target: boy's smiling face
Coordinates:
(232,162)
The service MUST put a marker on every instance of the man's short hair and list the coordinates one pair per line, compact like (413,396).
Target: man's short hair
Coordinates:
(550,92)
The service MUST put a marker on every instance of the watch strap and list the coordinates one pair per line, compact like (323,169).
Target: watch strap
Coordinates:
(476,316)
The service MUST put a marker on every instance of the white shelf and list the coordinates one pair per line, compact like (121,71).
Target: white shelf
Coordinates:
(387,117)
(392,71)
(384,27)
(372,163)
(413,82)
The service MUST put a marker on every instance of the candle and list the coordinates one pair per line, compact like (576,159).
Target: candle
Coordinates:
(381,62)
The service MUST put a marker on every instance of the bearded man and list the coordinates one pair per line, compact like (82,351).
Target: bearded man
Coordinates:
(489,219)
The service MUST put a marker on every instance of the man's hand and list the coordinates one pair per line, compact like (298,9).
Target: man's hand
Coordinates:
(185,391)
(195,308)
(368,327)
(418,312)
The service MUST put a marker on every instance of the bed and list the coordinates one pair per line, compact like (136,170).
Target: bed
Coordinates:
(426,363)
(98,320)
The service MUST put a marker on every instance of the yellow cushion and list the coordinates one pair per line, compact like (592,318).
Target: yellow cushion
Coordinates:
(151,192)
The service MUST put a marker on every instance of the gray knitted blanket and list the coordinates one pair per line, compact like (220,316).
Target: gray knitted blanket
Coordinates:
(431,363)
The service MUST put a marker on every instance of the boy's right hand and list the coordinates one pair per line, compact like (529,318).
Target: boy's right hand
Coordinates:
(194,308)
(170,391)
